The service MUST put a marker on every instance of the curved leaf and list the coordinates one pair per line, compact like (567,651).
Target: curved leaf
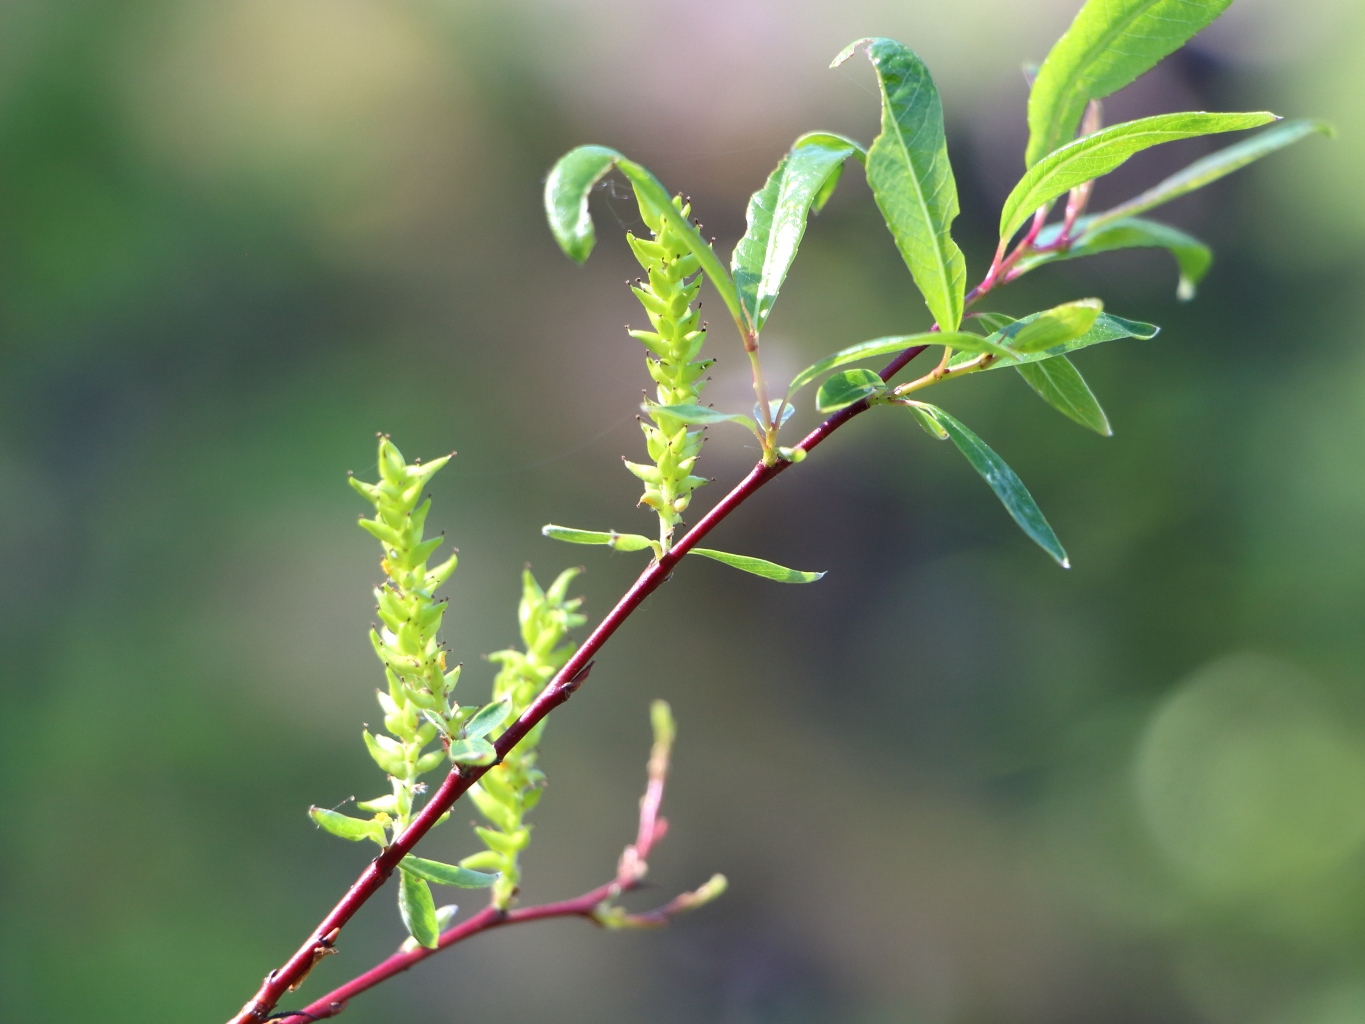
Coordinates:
(1003,481)
(1192,256)
(486,719)
(843,389)
(911,178)
(1061,386)
(1105,328)
(345,827)
(777,214)
(1214,166)
(566,207)
(862,350)
(759,567)
(447,874)
(1095,155)
(1052,327)
(612,539)
(1109,44)
(417,908)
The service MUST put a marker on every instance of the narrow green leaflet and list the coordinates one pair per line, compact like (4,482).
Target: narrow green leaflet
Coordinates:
(1105,328)
(1096,155)
(862,350)
(1061,386)
(566,207)
(1192,256)
(759,567)
(472,751)
(911,178)
(346,827)
(612,539)
(777,215)
(1109,44)
(1214,166)
(1053,327)
(700,415)
(843,389)
(447,874)
(417,908)
(486,719)
(1003,481)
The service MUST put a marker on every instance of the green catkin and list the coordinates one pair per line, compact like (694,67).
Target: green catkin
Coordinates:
(509,790)
(419,686)
(667,294)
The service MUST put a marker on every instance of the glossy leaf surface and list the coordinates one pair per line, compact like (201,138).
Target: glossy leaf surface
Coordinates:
(417,908)
(1003,481)
(1109,44)
(843,389)
(1061,386)
(1096,155)
(911,178)
(472,751)
(862,350)
(486,719)
(777,217)
(447,874)
(759,567)
(1052,327)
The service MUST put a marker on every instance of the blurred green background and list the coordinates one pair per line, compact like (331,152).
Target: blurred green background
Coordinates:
(950,783)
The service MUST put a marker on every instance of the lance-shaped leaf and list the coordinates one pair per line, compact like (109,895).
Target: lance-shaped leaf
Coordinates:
(1003,481)
(486,719)
(700,415)
(1109,44)
(1061,386)
(472,751)
(447,874)
(862,350)
(802,182)
(346,827)
(843,389)
(1052,327)
(1096,155)
(1192,257)
(611,539)
(417,908)
(911,178)
(1214,166)
(759,567)
(566,207)
(1105,328)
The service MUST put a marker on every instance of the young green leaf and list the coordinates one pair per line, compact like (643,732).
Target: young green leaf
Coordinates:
(1192,257)
(843,389)
(1061,386)
(1105,328)
(862,350)
(1214,166)
(1109,44)
(472,751)
(346,827)
(759,567)
(779,410)
(446,874)
(566,207)
(965,341)
(1053,327)
(444,915)
(777,219)
(612,539)
(700,415)
(1096,155)
(1003,481)
(911,178)
(486,719)
(417,908)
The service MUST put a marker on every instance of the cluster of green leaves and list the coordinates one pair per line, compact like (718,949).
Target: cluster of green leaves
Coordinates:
(1108,45)
(508,790)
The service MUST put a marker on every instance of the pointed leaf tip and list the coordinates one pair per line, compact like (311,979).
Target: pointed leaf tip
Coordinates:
(759,566)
